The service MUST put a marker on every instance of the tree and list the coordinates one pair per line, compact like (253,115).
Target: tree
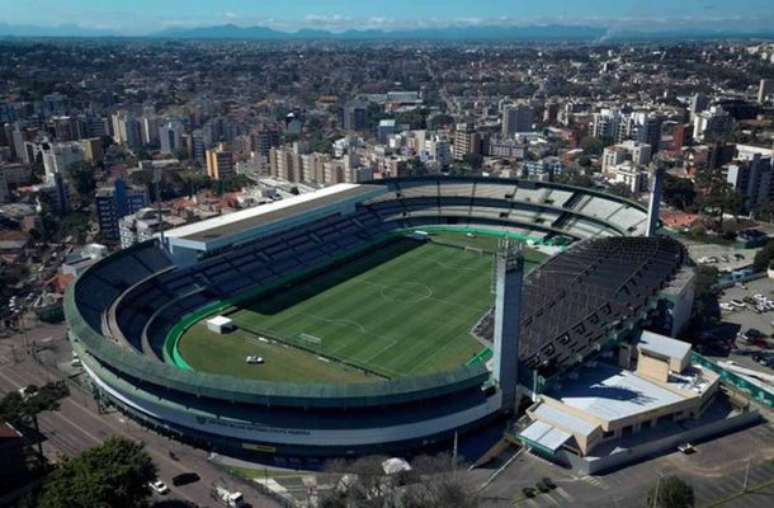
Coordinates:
(115,473)
(671,492)
(473,160)
(594,146)
(679,192)
(763,257)
(620,189)
(82,178)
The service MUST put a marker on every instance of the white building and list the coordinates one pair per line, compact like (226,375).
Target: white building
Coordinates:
(711,124)
(58,157)
(637,152)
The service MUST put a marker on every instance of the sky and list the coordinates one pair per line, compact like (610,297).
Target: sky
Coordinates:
(137,17)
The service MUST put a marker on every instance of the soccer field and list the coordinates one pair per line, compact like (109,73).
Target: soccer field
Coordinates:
(404,309)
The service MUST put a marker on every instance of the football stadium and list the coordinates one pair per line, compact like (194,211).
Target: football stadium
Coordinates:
(368,317)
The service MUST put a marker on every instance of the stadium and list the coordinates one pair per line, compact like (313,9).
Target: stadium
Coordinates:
(375,317)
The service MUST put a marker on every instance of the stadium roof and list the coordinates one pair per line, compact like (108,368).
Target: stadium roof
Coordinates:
(258,216)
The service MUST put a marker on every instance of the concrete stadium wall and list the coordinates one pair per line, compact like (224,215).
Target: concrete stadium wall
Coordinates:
(657,447)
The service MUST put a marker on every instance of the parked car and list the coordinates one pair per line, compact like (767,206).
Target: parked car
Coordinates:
(159,487)
(185,479)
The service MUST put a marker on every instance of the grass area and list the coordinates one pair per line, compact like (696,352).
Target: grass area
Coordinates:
(485,243)
(225,354)
(404,309)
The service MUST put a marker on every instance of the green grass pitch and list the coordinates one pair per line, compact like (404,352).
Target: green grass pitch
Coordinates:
(404,309)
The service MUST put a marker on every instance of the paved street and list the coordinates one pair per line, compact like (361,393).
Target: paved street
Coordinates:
(78,425)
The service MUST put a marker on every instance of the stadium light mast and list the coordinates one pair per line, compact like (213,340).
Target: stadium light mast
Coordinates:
(654,207)
(509,279)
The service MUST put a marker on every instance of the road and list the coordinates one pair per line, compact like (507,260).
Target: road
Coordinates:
(79,425)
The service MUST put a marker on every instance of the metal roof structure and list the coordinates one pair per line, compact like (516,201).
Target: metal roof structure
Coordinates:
(664,347)
(258,216)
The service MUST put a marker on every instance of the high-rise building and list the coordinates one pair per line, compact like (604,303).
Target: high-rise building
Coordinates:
(753,178)
(115,203)
(712,124)
(5,194)
(59,157)
(518,118)
(264,139)
(765,89)
(65,128)
(126,129)
(466,141)
(92,150)
(386,129)
(699,103)
(355,117)
(220,163)
(171,137)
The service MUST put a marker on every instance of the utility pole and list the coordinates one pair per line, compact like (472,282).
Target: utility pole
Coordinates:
(454,450)
(746,475)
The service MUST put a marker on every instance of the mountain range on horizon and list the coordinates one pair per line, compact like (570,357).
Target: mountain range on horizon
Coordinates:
(554,32)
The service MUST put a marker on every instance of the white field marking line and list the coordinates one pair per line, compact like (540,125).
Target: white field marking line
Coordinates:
(345,322)
(381,350)
(451,266)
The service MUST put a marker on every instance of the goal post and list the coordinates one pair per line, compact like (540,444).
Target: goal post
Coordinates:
(475,250)
(310,341)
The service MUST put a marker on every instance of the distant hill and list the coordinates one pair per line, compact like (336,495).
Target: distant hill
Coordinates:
(548,32)
(7,30)
(463,33)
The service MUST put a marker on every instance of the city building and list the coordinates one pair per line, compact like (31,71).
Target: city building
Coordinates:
(355,117)
(635,151)
(145,224)
(765,89)
(264,139)
(92,150)
(546,168)
(59,157)
(5,194)
(517,118)
(752,178)
(466,141)
(220,163)
(712,124)
(126,129)
(171,137)
(115,203)
(386,129)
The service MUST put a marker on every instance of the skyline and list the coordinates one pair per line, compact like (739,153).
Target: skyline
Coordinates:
(148,17)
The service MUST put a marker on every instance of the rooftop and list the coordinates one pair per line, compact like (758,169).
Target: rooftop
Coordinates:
(663,347)
(236,222)
(610,393)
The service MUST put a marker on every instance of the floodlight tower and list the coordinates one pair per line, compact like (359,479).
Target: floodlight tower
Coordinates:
(509,279)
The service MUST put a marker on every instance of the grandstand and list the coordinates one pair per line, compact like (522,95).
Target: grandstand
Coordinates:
(128,312)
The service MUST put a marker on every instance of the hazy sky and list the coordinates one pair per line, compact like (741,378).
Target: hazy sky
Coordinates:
(145,16)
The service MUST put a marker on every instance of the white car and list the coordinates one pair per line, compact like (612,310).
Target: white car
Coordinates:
(159,487)
(253,359)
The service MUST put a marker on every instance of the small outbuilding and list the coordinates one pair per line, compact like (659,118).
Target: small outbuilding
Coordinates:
(220,324)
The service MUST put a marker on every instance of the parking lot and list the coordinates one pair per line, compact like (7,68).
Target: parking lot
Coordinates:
(725,258)
(716,471)
(740,319)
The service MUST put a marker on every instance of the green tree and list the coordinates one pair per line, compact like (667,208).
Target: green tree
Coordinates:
(83,179)
(116,473)
(679,192)
(671,492)
(473,160)
(594,146)
(620,189)
(763,257)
